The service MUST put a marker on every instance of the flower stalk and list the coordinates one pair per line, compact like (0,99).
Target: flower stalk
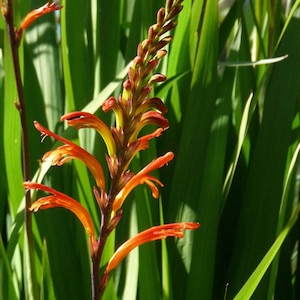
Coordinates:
(134,110)
(15,36)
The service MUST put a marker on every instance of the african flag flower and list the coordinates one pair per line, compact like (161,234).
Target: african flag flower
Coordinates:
(140,178)
(37,13)
(134,110)
(152,234)
(49,7)
(58,199)
(69,151)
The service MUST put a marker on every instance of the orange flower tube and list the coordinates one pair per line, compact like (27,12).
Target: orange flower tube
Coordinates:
(142,177)
(69,151)
(58,199)
(37,13)
(80,119)
(151,234)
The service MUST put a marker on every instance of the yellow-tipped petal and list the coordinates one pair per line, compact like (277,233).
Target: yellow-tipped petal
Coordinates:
(69,151)
(81,119)
(149,117)
(111,104)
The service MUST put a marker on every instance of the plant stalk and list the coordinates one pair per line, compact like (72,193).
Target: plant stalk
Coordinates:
(20,105)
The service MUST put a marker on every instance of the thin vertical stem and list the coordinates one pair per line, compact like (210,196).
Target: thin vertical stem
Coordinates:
(97,284)
(20,105)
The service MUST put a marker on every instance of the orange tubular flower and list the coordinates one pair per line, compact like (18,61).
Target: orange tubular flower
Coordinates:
(149,117)
(69,151)
(140,178)
(37,13)
(58,199)
(81,119)
(151,234)
(144,140)
(140,144)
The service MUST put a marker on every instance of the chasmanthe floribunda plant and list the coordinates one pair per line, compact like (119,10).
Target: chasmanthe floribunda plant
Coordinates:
(133,110)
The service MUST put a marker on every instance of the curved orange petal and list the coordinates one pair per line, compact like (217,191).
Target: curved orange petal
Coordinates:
(58,199)
(151,234)
(140,144)
(69,151)
(151,103)
(142,177)
(80,119)
(36,13)
(46,132)
(149,117)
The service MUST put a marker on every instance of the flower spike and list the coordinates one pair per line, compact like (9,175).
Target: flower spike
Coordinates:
(134,109)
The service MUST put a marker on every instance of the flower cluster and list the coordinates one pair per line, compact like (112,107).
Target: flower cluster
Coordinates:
(133,110)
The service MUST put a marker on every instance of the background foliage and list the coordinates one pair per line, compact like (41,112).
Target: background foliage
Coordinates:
(234,128)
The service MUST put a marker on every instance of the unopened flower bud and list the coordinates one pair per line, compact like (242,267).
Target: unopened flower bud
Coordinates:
(157,78)
(115,221)
(159,54)
(126,95)
(144,93)
(169,26)
(175,11)
(160,44)
(146,44)
(140,51)
(101,199)
(151,33)
(127,85)
(109,104)
(160,16)
(137,61)
(152,64)
(113,164)
(169,5)
(132,74)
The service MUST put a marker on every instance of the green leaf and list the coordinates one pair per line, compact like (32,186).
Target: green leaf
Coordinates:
(267,167)
(249,287)
(47,290)
(11,135)
(7,287)
(193,179)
